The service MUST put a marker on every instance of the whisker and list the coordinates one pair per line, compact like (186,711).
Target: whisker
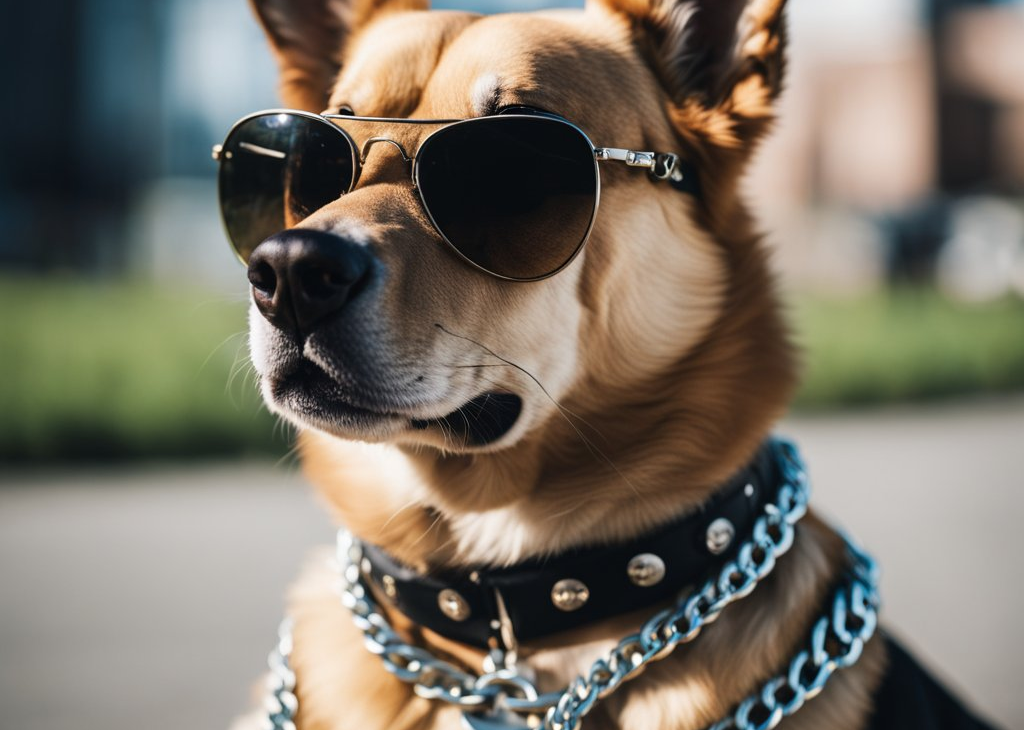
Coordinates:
(238,365)
(409,505)
(214,351)
(565,412)
(426,532)
(591,447)
(289,457)
(448,431)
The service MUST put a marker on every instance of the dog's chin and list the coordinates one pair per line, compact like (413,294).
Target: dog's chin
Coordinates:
(310,398)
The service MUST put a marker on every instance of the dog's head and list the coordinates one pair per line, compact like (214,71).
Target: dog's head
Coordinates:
(661,310)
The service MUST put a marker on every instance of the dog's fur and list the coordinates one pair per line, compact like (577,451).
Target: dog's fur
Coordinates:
(650,369)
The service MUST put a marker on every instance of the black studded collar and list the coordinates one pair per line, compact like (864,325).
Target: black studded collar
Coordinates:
(487,607)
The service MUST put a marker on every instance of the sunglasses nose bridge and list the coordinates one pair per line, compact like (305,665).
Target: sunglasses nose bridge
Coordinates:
(365,150)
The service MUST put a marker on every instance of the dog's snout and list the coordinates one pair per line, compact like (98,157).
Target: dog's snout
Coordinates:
(301,277)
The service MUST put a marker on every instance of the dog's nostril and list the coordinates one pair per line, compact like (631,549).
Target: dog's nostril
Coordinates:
(312,282)
(325,283)
(263,278)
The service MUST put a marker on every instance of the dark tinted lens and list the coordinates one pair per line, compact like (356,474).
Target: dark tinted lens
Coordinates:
(276,169)
(514,195)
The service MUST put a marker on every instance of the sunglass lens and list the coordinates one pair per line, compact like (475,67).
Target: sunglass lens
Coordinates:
(275,170)
(515,195)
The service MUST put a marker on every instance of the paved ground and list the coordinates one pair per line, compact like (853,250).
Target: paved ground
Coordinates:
(147,599)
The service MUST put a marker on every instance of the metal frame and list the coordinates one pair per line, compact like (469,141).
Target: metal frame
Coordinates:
(660,165)
(219,155)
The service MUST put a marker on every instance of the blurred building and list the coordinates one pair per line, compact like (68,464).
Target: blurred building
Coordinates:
(110,110)
(895,111)
(901,117)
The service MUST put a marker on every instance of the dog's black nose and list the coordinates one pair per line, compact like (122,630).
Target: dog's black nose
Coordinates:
(301,277)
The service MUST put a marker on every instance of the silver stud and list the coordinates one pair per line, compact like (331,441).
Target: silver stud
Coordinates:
(390,589)
(748,491)
(453,605)
(569,594)
(719,536)
(646,569)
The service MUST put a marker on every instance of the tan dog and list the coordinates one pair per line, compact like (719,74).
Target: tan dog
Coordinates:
(640,377)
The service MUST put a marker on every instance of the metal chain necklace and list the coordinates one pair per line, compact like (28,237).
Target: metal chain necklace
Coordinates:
(504,698)
(836,642)
(280,702)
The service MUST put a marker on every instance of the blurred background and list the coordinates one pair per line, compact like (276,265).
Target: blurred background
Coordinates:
(150,515)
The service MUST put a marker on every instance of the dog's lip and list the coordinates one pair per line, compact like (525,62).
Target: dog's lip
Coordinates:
(308,392)
(308,395)
(480,421)
(308,388)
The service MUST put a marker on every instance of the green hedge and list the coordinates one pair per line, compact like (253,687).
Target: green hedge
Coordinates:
(94,371)
(906,345)
(101,371)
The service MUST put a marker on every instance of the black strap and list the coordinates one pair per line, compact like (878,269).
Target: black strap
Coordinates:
(526,588)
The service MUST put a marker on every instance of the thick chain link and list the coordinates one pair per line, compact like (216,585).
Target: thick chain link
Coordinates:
(837,640)
(280,702)
(432,678)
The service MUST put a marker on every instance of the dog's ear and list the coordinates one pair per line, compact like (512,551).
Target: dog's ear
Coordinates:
(721,60)
(309,36)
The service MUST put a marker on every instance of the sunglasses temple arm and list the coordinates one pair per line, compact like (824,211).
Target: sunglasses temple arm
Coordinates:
(661,165)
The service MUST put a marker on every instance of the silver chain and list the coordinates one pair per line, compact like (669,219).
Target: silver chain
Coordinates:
(432,678)
(280,702)
(837,640)
(851,623)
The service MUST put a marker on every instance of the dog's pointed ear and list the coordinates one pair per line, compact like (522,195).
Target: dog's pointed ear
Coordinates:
(706,47)
(309,36)
(724,57)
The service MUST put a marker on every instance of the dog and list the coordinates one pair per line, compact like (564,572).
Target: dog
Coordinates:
(462,416)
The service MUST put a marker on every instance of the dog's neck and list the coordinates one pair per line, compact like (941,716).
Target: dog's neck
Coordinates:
(638,463)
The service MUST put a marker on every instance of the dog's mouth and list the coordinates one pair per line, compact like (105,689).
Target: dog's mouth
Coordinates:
(479,422)
(312,396)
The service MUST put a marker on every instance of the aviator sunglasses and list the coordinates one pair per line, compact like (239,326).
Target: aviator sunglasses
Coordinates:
(514,194)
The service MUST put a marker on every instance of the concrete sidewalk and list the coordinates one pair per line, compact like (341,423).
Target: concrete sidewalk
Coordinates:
(147,599)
